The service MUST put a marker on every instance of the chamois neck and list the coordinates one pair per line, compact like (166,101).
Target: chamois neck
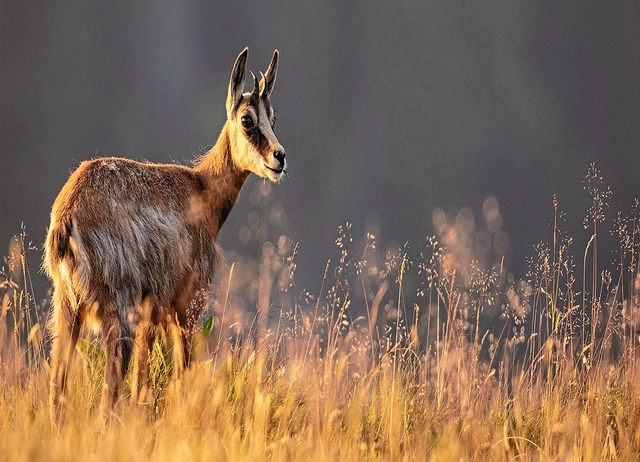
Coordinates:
(222,178)
(218,160)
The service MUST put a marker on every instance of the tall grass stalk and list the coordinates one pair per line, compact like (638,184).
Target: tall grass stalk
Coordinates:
(489,367)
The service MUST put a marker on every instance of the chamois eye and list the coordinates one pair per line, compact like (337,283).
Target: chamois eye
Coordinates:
(246,122)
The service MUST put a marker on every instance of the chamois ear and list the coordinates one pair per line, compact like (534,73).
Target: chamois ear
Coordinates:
(269,79)
(236,84)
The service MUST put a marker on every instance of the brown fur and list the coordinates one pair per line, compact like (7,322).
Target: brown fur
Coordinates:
(132,248)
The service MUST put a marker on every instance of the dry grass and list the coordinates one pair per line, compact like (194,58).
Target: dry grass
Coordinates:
(447,357)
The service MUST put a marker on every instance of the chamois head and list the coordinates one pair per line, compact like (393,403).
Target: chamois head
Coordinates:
(250,117)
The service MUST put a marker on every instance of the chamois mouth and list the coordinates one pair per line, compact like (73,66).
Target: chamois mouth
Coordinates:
(275,170)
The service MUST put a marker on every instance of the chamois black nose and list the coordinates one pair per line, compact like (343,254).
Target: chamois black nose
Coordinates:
(280,155)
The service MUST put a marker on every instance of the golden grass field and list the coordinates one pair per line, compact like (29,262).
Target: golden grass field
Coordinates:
(478,366)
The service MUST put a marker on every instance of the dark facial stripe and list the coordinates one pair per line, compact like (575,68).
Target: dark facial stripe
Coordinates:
(255,136)
(257,139)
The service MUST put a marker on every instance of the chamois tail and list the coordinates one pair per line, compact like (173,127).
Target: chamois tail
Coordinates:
(57,245)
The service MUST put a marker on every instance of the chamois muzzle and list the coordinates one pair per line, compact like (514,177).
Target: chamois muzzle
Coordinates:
(280,155)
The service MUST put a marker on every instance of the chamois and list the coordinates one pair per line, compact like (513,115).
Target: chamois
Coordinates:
(131,247)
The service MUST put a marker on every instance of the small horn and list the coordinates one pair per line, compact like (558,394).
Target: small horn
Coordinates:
(262,83)
(256,85)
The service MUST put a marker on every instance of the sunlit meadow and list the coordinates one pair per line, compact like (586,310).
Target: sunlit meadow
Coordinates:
(430,350)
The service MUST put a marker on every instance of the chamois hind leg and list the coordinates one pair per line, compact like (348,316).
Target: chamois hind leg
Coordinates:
(145,337)
(118,341)
(65,329)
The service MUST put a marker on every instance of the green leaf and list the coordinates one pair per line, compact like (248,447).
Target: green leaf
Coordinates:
(207,327)
(88,350)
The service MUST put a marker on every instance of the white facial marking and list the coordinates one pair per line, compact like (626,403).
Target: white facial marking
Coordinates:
(270,162)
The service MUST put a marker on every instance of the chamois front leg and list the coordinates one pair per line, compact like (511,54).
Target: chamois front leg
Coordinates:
(66,328)
(181,324)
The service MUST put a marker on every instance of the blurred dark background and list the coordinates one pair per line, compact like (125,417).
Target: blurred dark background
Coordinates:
(387,109)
